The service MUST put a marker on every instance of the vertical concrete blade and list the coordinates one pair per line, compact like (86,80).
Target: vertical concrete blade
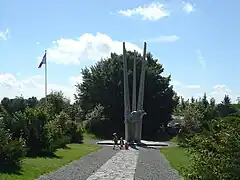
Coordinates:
(134,86)
(142,79)
(126,92)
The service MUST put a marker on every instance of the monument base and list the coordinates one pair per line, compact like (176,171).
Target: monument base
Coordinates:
(133,126)
(142,143)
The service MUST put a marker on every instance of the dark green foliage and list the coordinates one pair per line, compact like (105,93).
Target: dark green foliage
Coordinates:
(213,147)
(215,154)
(11,151)
(33,122)
(56,102)
(74,131)
(75,113)
(103,84)
(18,104)
(97,123)
(55,135)
(31,127)
(70,128)
(225,108)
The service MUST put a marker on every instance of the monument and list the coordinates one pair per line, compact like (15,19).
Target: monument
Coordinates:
(133,116)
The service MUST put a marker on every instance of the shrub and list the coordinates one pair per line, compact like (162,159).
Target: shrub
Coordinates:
(31,122)
(70,128)
(55,136)
(11,151)
(215,153)
(74,131)
(62,118)
(190,124)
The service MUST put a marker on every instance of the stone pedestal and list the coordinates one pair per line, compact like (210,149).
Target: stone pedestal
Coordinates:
(133,126)
(130,132)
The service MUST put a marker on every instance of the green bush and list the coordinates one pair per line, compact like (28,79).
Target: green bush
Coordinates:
(62,118)
(11,151)
(31,122)
(70,128)
(74,131)
(55,135)
(215,153)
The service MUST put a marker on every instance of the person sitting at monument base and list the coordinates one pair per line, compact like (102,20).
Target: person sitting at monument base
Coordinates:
(115,140)
(126,145)
(121,143)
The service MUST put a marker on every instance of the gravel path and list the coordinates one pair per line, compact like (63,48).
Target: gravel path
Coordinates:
(152,165)
(121,166)
(133,164)
(83,168)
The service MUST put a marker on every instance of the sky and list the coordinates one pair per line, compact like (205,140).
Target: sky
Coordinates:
(197,41)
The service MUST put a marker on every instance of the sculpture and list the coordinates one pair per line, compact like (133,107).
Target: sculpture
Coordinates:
(133,120)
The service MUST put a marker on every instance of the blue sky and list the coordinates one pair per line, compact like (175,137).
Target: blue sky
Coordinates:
(196,41)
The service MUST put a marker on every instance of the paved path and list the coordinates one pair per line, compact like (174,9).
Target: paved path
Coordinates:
(109,164)
(83,168)
(120,166)
(152,165)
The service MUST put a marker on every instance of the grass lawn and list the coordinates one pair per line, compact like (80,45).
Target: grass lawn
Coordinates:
(177,157)
(32,168)
(88,136)
(174,139)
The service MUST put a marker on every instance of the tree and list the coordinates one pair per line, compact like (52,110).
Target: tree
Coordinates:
(103,84)
(225,108)
(56,102)
(238,100)
(13,105)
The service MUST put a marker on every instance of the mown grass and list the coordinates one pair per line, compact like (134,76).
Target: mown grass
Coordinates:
(177,157)
(32,168)
(174,139)
(89,136)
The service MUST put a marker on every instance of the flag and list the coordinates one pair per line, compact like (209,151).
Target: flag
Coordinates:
(43,60)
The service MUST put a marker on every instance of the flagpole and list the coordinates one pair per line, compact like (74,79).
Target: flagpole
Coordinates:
(46,77)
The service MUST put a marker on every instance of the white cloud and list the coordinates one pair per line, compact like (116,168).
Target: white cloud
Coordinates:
(167,39)
(182,85)
(75,79)
(220,90)
(37,43)
(63,51)
(176,83)
(152,12)
(188,7)
(4,35)
(11,86)
(86,47)
(201,59)
(193,86)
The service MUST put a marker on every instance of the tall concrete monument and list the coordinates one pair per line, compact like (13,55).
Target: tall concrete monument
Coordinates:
(133,116)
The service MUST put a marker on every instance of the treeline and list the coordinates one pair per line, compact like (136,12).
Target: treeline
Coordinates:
(30,127)
(211,133)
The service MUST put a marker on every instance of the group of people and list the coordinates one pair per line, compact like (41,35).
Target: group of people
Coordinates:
(122,144)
